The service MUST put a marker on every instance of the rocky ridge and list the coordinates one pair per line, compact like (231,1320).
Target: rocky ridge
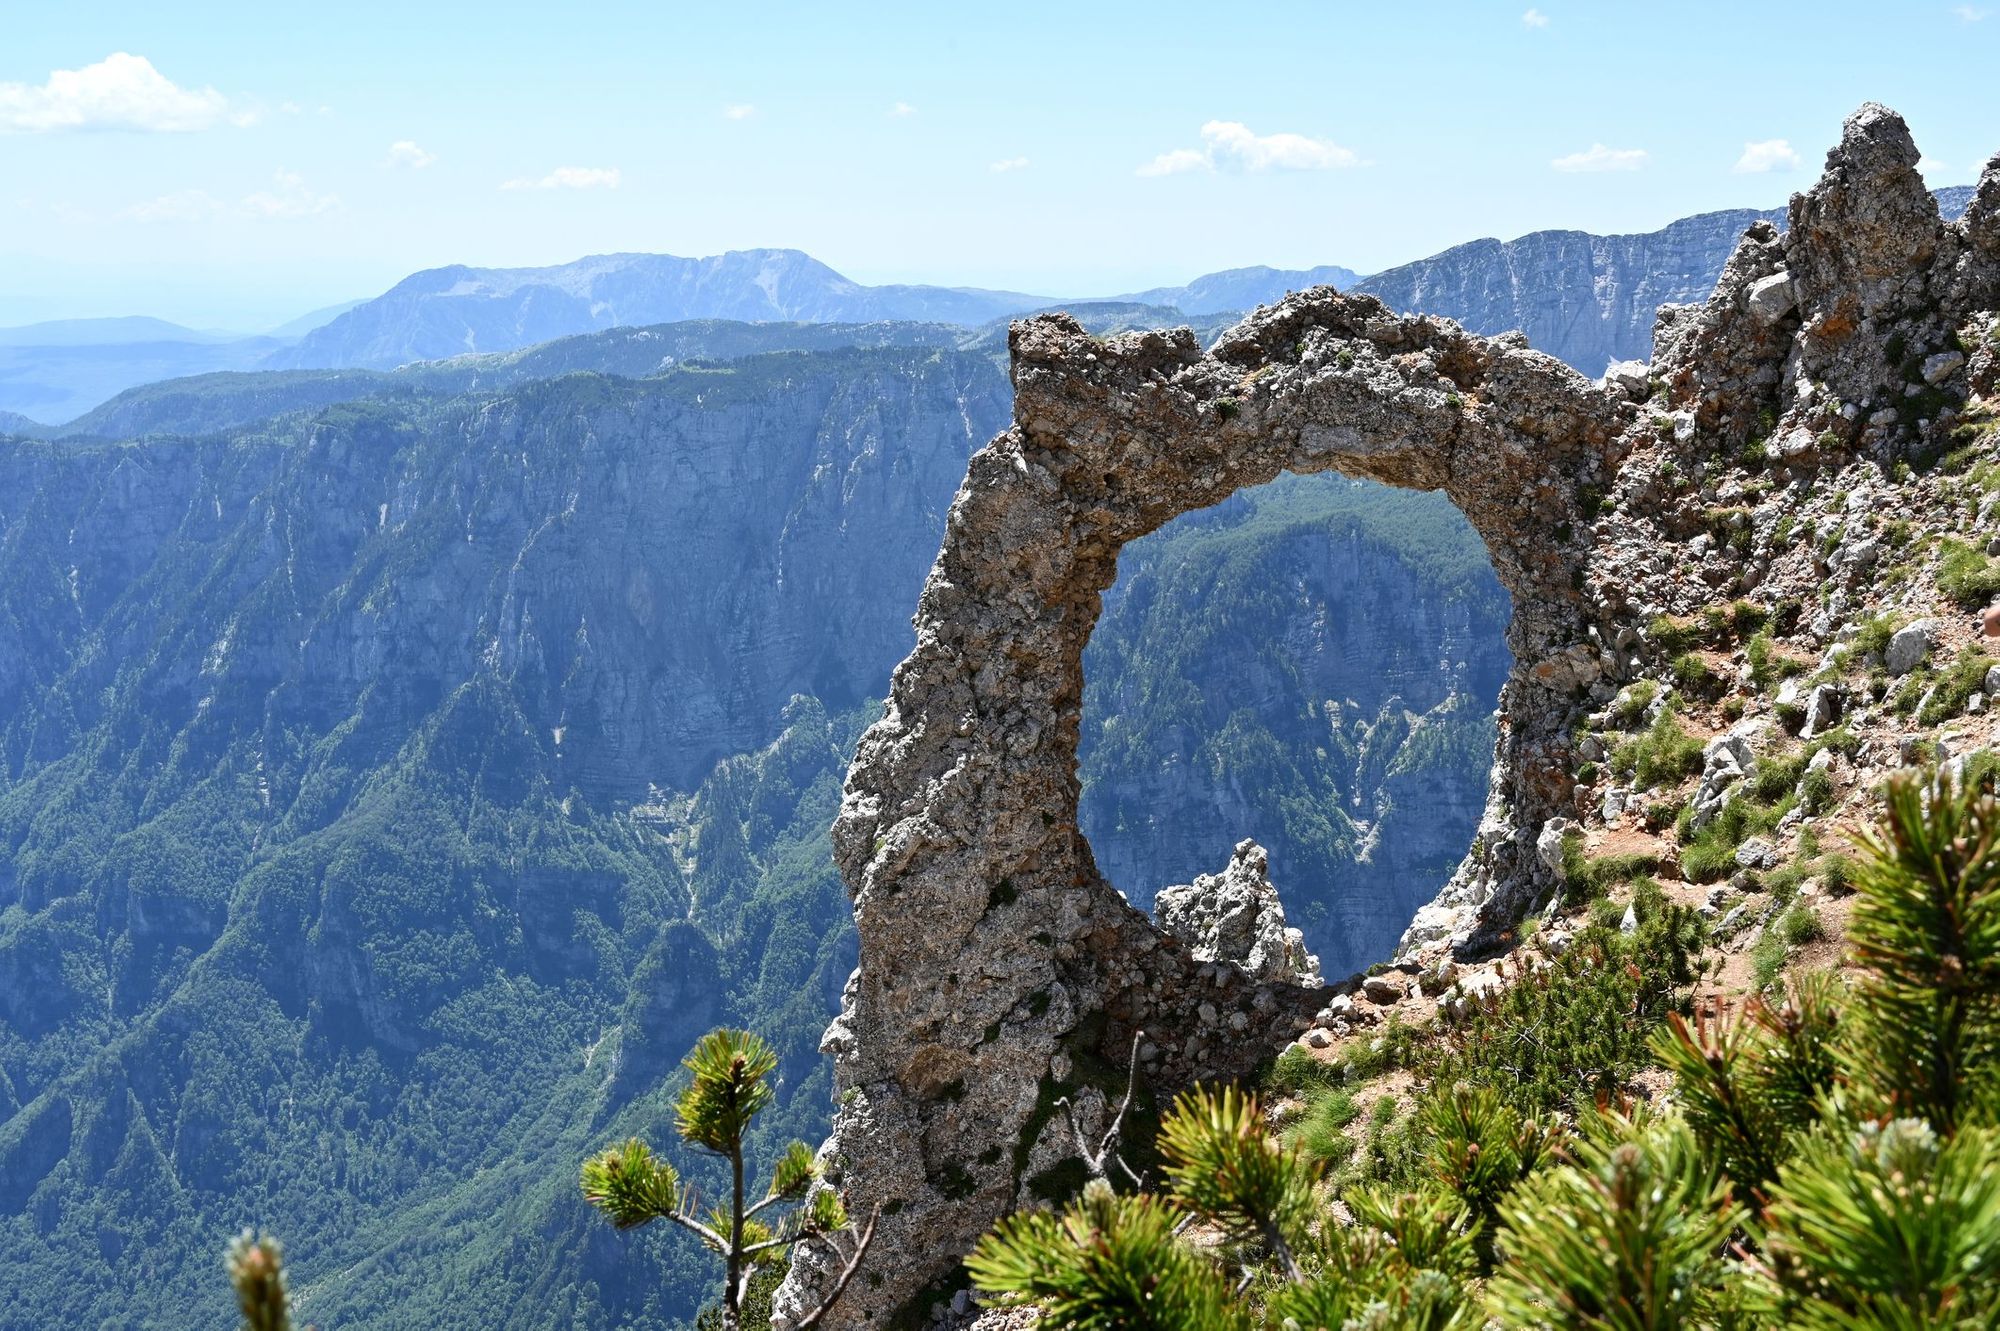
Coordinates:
(1709,629)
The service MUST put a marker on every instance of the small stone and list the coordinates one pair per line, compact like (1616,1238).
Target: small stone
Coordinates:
(1992,682)
(1439,977)
(1822,710)
(1383,990)
(1757,853)
(1771,298)
(1942,366)
(1318,1038)
(1629,377)
(1629,924)
(1911,646)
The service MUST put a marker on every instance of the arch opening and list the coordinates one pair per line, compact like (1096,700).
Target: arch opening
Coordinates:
(1314,664)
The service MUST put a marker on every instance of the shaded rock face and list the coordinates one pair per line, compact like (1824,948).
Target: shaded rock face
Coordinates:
(996,965)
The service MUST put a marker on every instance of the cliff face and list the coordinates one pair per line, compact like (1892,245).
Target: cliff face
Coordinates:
(1313,665)
(353,771)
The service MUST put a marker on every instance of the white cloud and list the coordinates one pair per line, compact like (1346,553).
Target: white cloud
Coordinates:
(118,92)
(405,152)
(1535,18)
(1008,164)
(1968,14)
(902,109)
(1597,157)
(288,197)
(1930,166)
(185,205)
(740,111)
(571,177)
(1230,145)
(1177,161)
(1767,155)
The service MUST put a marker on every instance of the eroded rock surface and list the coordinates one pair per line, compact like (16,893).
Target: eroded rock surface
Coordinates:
(998,971)
(1235,916)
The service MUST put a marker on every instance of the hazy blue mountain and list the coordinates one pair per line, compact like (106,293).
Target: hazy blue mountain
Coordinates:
(216,402)
(1241,289)
(105,332)
(450,311)
(19,425)
(305,323)
(54,384)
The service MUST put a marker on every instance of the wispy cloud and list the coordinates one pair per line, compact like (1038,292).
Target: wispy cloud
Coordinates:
(183,205)
(118,92)
(1767,155)
(740,111)
(1535,18)
(405,152)
(901,109)
(1228,145)
(1597,157)
(570,177)
(1968,13)
(1008,164)
(288,197)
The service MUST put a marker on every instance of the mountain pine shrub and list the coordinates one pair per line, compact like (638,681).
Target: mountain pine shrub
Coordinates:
(730,1085)
(1826,1157)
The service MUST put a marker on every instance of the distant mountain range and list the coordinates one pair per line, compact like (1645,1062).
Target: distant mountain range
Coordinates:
(449,311)
(1585,298)
(1235,290)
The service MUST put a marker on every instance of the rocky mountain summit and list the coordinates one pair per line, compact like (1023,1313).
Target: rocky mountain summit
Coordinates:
(1583,298)
(1774,528)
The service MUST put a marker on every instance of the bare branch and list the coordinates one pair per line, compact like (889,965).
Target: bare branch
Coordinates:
(1096,1160)
(811,1319)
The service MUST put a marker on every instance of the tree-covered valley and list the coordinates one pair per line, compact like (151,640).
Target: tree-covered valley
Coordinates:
(393,787)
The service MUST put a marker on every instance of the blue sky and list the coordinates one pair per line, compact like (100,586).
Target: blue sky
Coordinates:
(240,165)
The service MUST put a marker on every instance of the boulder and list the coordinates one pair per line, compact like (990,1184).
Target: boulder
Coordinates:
(1911,646)
(1771,298)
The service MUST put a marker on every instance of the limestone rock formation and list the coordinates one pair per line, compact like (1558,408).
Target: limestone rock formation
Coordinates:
(998,971)
(1235,916)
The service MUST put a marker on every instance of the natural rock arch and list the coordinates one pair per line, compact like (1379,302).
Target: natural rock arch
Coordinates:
(998,970)
(991,948)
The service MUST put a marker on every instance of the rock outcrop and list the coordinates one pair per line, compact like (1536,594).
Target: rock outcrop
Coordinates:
(1235,916)
(998,971)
